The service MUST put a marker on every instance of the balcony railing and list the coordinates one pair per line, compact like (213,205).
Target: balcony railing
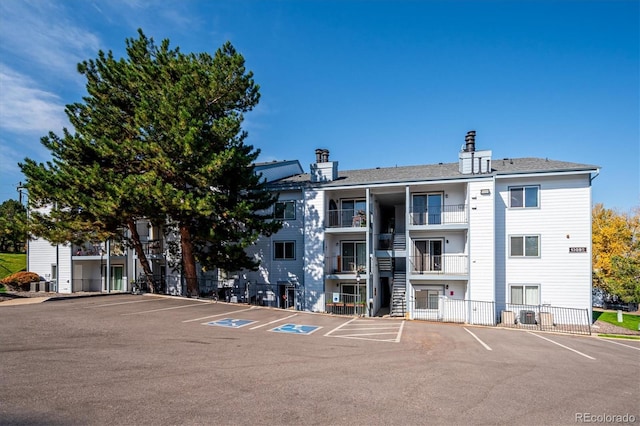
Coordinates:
(346,218)
(345,265)
(454,264)
(441,215)
(153,247)
(116,249)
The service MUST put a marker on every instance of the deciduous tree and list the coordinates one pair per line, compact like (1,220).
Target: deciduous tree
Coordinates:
(616,252)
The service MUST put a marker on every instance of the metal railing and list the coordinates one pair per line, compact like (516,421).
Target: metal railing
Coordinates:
(345,265)
(346,304)
(441,215)
(116,249)
(346,218)
(454,264)
(444,309)
(546,318)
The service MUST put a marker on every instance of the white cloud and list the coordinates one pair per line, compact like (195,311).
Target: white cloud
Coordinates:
(24,108)
(41,33)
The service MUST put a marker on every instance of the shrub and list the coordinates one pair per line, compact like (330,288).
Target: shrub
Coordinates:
(20,281)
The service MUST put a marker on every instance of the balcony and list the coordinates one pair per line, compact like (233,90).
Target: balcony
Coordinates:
(446,264)
(448,214)
(345,265)
(346,218)
(153,248)
(96,251)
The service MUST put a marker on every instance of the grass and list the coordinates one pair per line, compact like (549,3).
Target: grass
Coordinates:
(11,263)
(629,321)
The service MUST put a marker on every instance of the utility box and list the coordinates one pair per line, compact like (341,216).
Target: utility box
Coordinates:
(508,317)
(527,317)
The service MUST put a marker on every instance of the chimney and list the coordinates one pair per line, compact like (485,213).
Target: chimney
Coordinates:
(470,141)
(323,170)
(471,161)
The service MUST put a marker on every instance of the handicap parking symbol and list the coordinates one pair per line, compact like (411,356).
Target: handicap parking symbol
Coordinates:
(231,323)
(296,329)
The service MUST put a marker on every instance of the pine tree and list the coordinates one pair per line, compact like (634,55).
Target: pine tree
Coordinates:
(159,136)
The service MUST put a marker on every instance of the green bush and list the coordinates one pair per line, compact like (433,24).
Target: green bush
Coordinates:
(20,281)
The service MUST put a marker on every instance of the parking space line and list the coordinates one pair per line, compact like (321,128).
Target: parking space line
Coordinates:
(164,309)
(561,345)
(272,322)
(340,326)
(122,303)
(478,339)
(621,344)
(400,332)
(217,315)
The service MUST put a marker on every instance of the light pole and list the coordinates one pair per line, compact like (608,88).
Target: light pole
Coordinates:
(20,190)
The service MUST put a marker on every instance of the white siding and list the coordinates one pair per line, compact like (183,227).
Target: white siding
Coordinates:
(41,256)
(481,241)
(314,251)
(563,220)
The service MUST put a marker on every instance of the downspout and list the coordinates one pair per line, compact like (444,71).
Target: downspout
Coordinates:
(108,271)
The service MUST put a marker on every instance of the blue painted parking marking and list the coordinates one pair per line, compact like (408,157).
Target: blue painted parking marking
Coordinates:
(296,329)
(231,322)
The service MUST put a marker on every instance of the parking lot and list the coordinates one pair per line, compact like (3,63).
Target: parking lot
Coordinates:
(127,359)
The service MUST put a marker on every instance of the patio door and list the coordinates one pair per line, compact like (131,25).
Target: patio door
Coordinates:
(427,255)
(434,209)
(115,282)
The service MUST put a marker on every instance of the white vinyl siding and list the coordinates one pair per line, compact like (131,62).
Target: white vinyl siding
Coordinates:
(481,241)
(562,221)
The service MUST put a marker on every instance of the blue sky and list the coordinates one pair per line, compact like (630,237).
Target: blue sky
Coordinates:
(378,83)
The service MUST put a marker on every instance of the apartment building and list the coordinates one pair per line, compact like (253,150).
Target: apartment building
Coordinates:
(409,240)
(509,231)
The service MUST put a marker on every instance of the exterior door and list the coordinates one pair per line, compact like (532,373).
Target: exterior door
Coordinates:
(421,256)
(434,209)
(117,272)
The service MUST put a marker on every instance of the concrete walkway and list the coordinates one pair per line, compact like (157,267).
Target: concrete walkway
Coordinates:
(23,301)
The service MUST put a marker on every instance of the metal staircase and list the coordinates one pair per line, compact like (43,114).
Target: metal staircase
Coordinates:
(398,294)
(400,241)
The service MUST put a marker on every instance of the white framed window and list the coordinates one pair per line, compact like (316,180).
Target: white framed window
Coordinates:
(525,294)
(285,210)
(524,197)
(354,256)
(284,250)
(428,298)
(524,246)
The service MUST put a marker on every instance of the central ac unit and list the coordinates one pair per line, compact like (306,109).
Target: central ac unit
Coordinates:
(527,317)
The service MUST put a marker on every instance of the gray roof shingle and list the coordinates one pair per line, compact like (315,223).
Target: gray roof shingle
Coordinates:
(441,171)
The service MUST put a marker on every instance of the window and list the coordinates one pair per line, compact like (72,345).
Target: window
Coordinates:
(523,196)
(525,294)
(285,210)
(525,246)
(284,250)
(427,299)
(353,213)
(354,256)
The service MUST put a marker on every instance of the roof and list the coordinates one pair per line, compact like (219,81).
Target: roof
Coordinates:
(440,171)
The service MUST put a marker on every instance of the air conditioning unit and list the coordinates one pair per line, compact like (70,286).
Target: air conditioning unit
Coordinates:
(527,317)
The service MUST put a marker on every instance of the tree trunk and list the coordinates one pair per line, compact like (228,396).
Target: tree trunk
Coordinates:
(188,261)
(142,256)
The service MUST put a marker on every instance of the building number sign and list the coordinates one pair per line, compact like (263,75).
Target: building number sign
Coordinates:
(577,249)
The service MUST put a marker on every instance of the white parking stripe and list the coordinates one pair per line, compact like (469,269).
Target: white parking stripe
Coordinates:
(478,339)
(400,332)
(340,326)
(164,309)
(272,322)
(122,303)
(563,346)
(218,315)
(621,344)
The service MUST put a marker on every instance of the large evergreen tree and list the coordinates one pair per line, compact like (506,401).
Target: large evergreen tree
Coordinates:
(159,136)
